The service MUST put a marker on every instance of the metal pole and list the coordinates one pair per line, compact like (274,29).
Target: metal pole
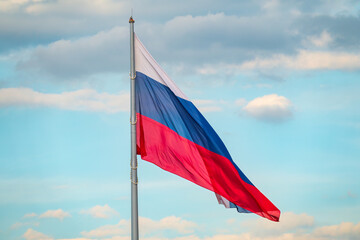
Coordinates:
(133,119)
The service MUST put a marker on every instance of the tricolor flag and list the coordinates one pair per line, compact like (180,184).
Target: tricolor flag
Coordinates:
(174,135)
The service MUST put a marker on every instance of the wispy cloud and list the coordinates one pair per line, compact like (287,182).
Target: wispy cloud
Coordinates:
(31,234)
(101,211)
(289,221)
(23,224)
(59,214)
(30,215)
(305,60)
(108,230)
(351,195)
(102,7)
(75,239)
(321,40)
(207,105)
(176,224)
(80,100)
(240,102)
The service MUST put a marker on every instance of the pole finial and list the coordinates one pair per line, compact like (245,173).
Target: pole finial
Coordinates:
(131,20)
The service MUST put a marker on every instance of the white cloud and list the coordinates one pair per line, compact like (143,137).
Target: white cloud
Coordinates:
(209,105)
(345,230)
(102,52)
(263,85)
(95,7)
(60,19)
(272,108)
(249,236)
(80,100)
(291,227)
(31,234)
(118,238)
(75,239)
(240,102)
(205,105)
(42,191)
(22,224)
(59,214)
(270,5)
(147,226)
(192,40)
(289,221)
(108,230)
(205,52)
(101,211)
(168,223)
(36,7)
(29,215)
(305,60)
(321,40)
(9,5)
(191,36)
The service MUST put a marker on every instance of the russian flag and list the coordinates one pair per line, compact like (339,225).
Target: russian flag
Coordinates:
(174,135)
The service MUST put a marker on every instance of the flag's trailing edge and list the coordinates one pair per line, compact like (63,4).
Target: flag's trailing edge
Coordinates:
(173,134)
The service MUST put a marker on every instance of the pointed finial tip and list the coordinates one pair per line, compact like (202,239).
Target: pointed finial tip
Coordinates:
(131,20)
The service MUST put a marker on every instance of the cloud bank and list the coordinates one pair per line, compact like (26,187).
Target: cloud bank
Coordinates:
(307,60)
(208,43)
(148,226)
(80,100)
(292,227)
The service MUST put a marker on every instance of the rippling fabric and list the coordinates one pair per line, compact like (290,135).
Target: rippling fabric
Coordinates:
(174,135)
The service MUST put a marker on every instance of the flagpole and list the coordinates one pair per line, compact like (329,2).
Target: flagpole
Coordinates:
(133,120)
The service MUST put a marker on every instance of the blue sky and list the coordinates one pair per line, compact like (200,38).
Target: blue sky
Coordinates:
(278,81)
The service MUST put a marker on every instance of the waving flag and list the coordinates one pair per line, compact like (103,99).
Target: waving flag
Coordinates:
(172,134)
